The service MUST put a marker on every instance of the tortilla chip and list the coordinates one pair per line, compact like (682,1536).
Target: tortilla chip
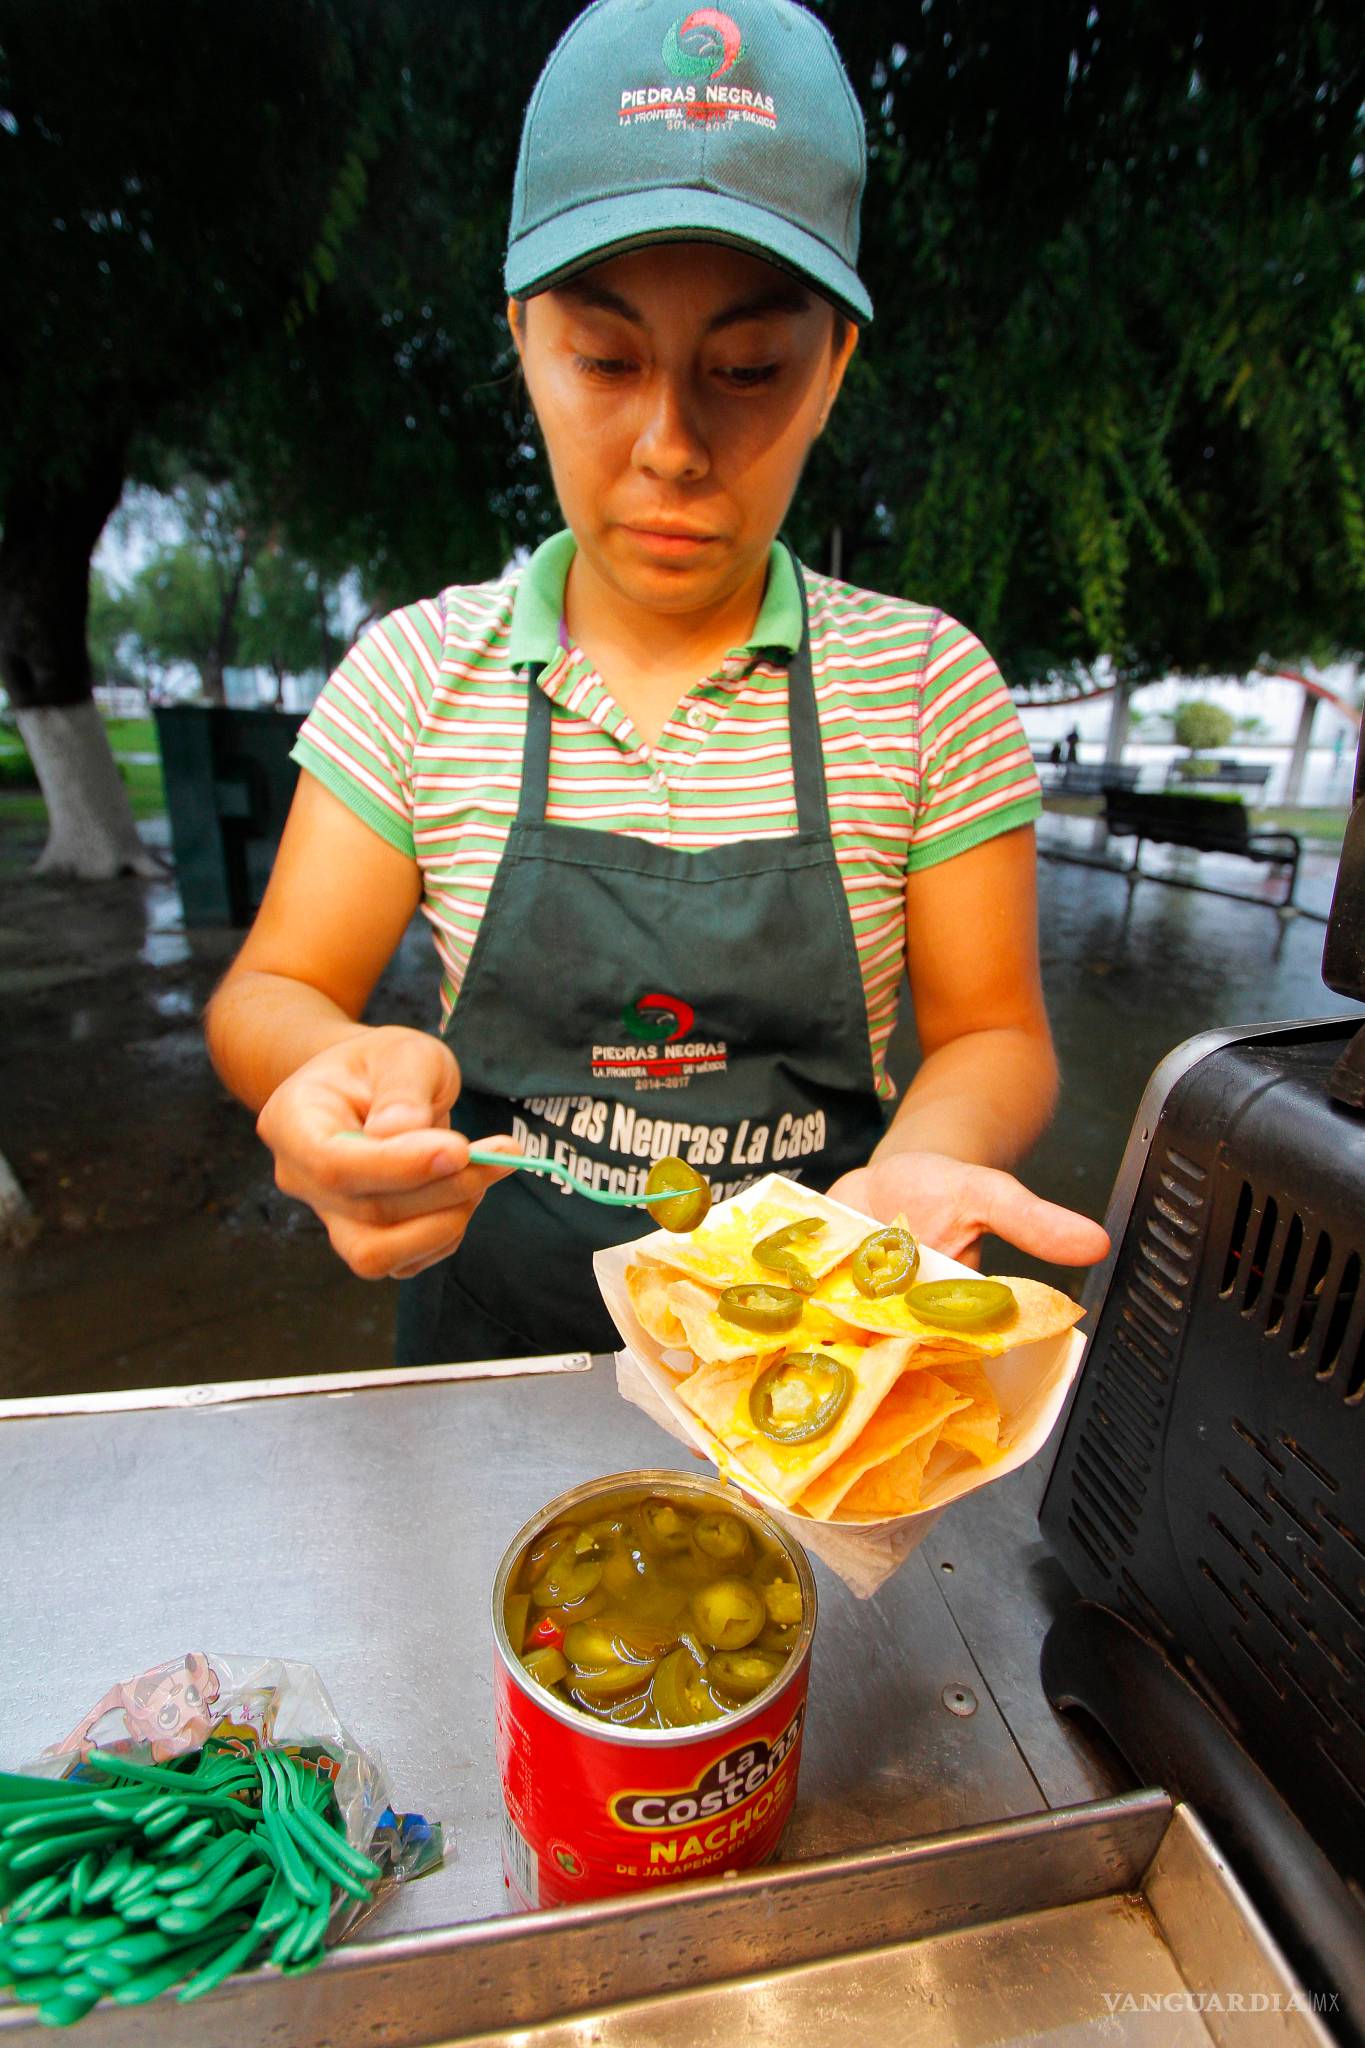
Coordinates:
(968,1375)
(977,1428)
(946,1461)
(893,1487)
(1041,1311)
(983,1441)
(917,1405)
(714,1391)
(649,1286)
(718,1394)
(710,1337)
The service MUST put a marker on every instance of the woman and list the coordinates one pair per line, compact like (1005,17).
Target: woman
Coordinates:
(679,812)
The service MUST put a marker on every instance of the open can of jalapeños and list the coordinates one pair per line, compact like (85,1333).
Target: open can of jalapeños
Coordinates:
(612,1781)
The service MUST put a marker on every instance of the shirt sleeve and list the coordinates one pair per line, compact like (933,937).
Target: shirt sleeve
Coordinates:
(358,739)
(976,773)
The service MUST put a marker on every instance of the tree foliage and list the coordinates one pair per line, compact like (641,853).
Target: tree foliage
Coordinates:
(223,593)
(168,171)
(1111,403)
(1200,725)
(1110,406)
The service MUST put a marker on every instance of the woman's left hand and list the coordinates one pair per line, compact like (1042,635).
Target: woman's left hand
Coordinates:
(952,1205)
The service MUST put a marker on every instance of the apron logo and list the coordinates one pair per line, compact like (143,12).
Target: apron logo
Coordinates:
(666,1053)
(700,49)
(655,1018)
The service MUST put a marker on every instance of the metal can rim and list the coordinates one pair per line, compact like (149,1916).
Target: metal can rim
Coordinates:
(708,1489)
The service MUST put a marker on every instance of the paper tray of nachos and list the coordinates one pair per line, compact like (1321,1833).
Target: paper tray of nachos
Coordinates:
(934,1413)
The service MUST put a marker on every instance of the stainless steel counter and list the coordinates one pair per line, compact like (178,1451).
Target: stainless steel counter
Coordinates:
(357,1523)
(359,1526)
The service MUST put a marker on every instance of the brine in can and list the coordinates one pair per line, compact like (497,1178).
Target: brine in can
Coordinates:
(598,1797)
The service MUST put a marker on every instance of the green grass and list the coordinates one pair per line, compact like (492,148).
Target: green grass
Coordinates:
(1323,827)
(22,806)
(16,770)
(146,791)
(131,735)
(142,779)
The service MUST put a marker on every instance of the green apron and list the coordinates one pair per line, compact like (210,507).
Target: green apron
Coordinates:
(624,1000)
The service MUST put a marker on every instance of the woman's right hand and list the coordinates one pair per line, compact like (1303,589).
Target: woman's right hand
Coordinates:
(361,1133)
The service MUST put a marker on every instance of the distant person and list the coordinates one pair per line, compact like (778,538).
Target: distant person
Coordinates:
(681,812)
(1055,757)
(1073,747)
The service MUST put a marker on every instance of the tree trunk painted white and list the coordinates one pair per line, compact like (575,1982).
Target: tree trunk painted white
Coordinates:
(18,1224)
(1115,740)
(91,833)
(1120,716)
(1293,781)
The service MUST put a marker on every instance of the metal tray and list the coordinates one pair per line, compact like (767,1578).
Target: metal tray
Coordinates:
(1114,1921)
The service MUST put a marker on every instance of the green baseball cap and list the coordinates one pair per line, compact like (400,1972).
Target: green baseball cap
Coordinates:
(650,125)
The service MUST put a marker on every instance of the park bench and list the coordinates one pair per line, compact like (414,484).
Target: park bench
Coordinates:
(1208,824)
(1085,778)
(1223,774)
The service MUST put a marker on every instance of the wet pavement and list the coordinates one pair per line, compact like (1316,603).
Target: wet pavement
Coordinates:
(166,1254)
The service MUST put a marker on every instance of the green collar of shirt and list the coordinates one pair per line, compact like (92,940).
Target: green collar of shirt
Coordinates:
(539,605)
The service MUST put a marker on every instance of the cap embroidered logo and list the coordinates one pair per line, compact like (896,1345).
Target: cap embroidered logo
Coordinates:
(656,122)
(703,44)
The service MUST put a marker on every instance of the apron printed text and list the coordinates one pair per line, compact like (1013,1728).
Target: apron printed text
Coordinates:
(636,1141)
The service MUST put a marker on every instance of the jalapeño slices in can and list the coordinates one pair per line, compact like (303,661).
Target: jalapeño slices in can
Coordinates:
(652,1638)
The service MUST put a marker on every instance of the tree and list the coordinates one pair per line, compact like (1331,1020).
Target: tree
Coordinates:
(144,149)
(1111,403)
(285,625)
(1110,408)
(219,595)
(1200,725)
(181,611)
(115,655)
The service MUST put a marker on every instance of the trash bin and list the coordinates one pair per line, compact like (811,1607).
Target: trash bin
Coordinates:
(229,784)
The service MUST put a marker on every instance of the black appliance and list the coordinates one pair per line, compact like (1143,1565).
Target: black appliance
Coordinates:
(1208,1495)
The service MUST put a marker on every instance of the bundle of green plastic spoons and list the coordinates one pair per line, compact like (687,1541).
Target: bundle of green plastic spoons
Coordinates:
(162,1874)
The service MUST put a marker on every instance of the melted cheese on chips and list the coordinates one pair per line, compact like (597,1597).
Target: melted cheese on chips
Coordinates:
(720,1254)
(719,1396)
(1040,1312)
(922,1406)
(680,1313)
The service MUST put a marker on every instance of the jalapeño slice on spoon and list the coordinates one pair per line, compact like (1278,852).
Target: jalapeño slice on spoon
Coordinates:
(676,1196)
(800,1397)
(885,1263)
(961,1304)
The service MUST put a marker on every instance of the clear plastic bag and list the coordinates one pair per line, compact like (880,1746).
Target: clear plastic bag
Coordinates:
(245,1704)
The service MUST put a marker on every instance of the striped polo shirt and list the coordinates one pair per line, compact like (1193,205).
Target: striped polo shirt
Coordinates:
(421,730)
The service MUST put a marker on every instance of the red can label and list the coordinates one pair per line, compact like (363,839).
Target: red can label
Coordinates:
(586,1817)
